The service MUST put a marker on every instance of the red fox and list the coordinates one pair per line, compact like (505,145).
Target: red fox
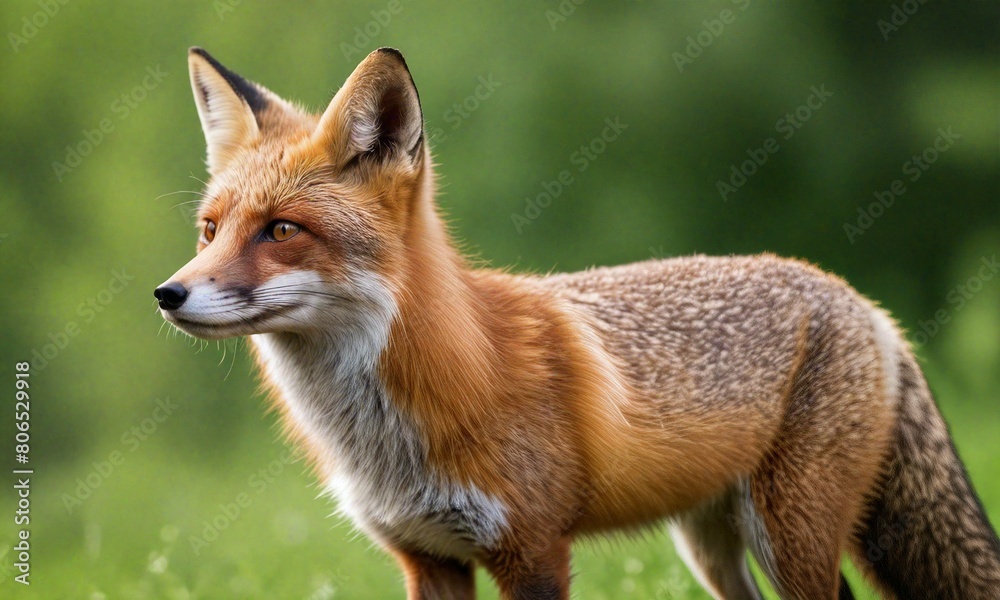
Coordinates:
(467,417)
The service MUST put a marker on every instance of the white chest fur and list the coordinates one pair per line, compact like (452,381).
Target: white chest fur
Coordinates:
(380,476)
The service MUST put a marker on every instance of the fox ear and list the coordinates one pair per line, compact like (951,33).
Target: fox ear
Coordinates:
(376,115)
(228,105)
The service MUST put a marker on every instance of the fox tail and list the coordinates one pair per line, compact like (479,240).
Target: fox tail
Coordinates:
(926,534)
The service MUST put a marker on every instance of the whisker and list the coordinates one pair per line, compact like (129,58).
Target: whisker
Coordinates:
(185,203)
(179,192)
(237,303)
(275,293)
(200,198)
(233,363)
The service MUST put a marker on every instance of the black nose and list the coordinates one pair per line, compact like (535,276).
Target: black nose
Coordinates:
(171,295)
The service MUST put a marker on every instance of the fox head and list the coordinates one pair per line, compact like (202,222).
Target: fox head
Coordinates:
(304,218)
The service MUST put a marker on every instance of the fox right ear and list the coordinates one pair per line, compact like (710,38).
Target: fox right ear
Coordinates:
(376,116)
(228,106)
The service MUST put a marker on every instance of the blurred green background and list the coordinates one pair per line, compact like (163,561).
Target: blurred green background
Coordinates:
(119,497)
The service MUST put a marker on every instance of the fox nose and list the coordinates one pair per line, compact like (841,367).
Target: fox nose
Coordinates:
(171,295)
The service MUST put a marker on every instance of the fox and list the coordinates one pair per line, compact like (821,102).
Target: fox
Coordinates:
(465,417)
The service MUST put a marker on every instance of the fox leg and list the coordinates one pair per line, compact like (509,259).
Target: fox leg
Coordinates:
(796,535)
(799,510)
(709,540)
(544,575)
(429,578)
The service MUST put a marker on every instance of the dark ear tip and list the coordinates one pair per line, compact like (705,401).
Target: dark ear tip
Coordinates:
(243,88)
(390,50)
(393,52)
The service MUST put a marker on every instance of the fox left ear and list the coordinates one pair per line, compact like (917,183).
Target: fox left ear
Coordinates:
(376,115)
(229,107)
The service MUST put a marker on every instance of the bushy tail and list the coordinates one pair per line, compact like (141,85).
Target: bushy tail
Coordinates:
(926,535)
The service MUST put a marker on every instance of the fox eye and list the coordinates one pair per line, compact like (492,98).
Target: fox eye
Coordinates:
(280,231)
(208,233)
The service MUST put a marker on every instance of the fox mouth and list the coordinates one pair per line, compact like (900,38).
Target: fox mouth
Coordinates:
(217,328)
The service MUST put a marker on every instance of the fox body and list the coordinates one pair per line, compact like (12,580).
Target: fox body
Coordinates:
(465,416)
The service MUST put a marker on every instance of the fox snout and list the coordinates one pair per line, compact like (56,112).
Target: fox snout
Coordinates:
(296,301)
(199,306)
